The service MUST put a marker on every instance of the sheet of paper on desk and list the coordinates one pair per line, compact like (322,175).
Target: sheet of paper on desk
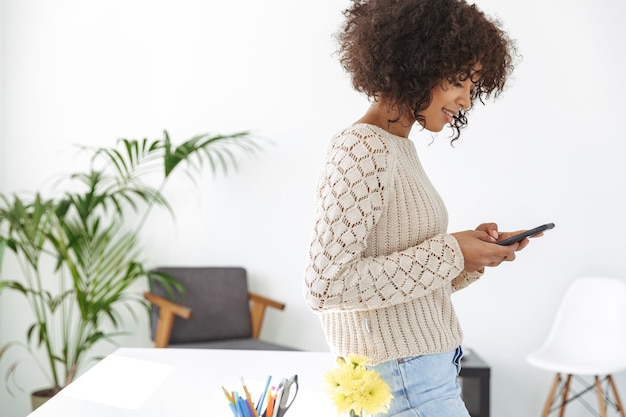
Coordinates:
(119,382)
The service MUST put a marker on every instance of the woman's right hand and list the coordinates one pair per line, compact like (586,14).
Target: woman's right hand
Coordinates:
(479,247)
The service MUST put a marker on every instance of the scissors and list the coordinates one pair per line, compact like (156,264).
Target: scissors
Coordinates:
(285,397)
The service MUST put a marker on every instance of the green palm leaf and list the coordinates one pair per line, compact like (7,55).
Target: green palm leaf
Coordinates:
(95,251)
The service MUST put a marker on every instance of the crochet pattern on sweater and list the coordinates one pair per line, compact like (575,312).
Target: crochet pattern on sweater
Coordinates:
(381,266)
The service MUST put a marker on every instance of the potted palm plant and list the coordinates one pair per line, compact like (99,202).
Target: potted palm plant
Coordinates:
(78,254)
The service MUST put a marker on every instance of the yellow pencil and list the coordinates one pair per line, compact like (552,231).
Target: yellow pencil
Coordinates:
(228,397)
(249,398)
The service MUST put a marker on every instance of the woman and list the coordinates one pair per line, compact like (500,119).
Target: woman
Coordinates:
(382,267)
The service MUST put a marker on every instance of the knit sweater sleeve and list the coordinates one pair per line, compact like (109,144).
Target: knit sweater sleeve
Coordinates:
(352,194)
(465,279)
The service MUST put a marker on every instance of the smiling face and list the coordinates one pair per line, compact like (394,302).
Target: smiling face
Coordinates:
(447,100)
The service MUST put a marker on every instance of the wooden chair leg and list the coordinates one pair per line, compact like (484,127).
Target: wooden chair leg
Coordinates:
(618,401)
(601,402)
(550,400)
(568,382)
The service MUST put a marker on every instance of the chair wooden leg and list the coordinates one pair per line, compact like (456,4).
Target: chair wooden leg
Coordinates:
(568,382)
(550,400)
(601,402)
(618,401)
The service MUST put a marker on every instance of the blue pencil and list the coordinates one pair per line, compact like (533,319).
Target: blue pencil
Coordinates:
(259,405)
(238,405)
(243,407)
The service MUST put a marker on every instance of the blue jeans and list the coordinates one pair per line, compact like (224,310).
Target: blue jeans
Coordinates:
(425,386)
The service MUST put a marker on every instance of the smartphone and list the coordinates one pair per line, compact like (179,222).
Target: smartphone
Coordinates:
(524,235)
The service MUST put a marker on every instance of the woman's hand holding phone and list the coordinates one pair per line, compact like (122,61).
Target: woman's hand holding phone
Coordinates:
(519,236)
(479,250)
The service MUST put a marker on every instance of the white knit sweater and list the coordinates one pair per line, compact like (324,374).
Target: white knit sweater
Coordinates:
(382,267)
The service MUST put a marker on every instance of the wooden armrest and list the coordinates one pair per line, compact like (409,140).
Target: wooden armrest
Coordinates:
(167,311)
(258,303)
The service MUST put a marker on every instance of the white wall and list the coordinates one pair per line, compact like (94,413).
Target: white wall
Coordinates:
(2,62)
(551,149)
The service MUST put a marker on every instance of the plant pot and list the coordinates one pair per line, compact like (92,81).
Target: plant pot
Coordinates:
(37,398)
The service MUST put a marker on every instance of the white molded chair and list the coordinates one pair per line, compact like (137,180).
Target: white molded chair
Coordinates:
(586,342)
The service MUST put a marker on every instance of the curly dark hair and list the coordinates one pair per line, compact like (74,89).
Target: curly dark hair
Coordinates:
(401,49)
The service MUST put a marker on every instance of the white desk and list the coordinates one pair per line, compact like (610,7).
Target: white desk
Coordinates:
(136,382)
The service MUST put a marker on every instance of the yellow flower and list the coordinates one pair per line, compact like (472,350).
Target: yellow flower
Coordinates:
(358,360)
(356,389)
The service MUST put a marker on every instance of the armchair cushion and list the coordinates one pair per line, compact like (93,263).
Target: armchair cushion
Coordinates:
(242,344)
(211,291)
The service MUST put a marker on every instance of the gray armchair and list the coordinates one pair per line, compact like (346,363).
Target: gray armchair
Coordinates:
(216,310)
